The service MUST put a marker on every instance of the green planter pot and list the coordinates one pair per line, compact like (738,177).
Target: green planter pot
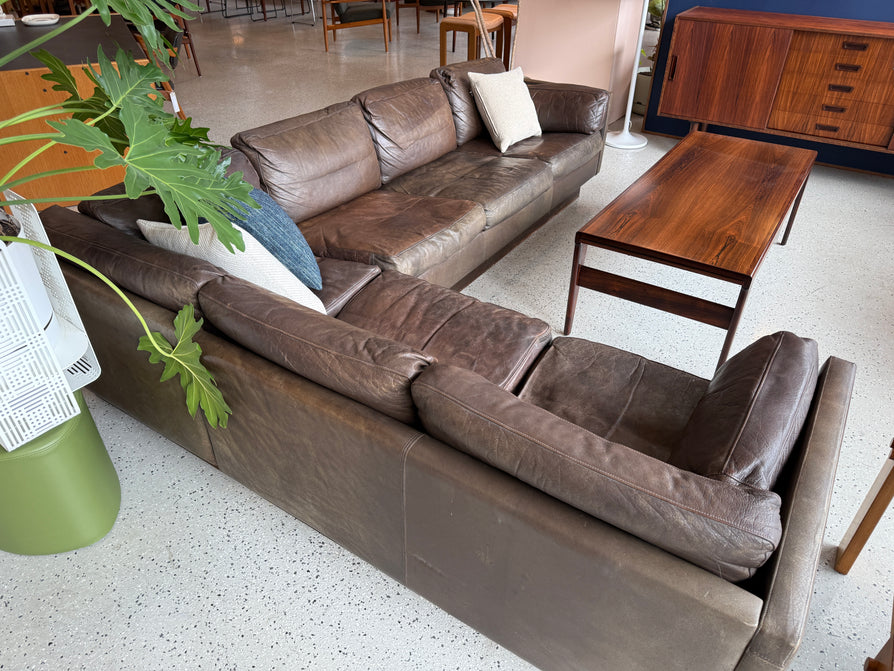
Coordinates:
(59,492)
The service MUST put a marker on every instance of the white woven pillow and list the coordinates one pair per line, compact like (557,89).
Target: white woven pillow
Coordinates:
(505,105)
(255,264)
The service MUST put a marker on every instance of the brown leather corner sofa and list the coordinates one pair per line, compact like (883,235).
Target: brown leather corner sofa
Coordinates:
(581,505)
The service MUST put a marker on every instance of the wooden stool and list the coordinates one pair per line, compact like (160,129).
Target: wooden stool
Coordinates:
(509,13)
(877,501)
(469,25)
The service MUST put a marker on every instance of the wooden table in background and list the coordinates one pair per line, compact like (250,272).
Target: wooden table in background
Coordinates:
(712,205)
(23,89)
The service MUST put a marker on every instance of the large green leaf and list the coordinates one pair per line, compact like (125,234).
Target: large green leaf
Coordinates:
(190,179)
(184,359)
(78,134)
(144,13)
(111,86)
(162,153)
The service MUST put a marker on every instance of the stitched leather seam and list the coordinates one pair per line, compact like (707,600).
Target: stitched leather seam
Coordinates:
(642,371)
(747,416)
(405,453)
(525,359)
(590,467)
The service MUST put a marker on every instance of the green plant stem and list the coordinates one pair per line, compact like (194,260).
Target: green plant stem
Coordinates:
(90,269)
(27,138)
(12,55)
(48,173)
(39,113)
(30,115)
(111,196)
(25,161)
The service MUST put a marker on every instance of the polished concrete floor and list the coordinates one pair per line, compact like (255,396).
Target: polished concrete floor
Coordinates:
(200,573)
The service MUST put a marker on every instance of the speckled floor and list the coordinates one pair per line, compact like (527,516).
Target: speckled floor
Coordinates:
(200,573)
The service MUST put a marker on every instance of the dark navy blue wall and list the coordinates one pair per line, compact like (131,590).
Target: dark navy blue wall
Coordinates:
(872,10)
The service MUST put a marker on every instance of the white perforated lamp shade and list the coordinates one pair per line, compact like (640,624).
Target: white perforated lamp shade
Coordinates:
(45,355)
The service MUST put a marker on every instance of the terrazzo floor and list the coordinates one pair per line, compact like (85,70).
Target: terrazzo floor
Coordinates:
(201,573)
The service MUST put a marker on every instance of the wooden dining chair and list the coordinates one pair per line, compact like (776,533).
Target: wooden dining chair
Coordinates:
(187,44)
(436,7)
(352,14)
(406,4)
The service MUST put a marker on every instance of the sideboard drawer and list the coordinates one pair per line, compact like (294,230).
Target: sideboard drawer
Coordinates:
(832,127)
(830,52)
(834,107)
(819,64)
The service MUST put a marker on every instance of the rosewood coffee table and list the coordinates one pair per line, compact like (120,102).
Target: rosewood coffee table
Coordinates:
(712,205)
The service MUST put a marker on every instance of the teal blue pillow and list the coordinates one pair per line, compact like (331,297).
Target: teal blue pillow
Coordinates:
(276,231)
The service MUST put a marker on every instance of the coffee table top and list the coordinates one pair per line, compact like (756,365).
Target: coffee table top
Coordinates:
(712,204)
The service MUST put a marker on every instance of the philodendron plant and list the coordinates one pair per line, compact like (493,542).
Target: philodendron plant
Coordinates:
(125,123)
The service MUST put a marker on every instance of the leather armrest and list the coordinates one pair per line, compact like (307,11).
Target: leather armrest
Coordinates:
(569,108)
(788,577)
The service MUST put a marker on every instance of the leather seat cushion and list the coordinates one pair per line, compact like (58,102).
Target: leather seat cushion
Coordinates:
(615,394)
(744,427)
(350,12)
(313,162)
(411,124)
(726,529)
(501,185)
(496,343)
(409,234)
(563,152)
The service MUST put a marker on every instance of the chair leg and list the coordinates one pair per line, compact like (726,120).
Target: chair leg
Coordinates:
(191,49)
(443,46)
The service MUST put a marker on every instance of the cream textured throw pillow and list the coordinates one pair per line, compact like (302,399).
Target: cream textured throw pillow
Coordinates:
(505,104)
(255,264)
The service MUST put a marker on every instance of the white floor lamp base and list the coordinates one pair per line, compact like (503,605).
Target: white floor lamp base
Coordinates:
(624,139)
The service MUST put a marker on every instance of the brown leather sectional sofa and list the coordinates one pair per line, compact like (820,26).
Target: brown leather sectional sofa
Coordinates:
(583,506)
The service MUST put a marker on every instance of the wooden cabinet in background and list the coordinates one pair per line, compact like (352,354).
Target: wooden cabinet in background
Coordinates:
(22,89)
(822,79)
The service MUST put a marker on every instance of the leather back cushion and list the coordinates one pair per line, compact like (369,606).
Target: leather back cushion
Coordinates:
(122,213)
(454,80)
(313,162)
(367,368)
(170,280)
(744,427)
(726,529)
(411,124)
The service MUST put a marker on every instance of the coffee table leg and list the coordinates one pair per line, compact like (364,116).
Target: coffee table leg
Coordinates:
(734,323)
(580,255)
(791,218)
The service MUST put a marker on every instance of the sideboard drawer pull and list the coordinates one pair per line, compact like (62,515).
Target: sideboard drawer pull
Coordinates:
(840,88)
(672,68)
(847,67)
(855,46)
(834,108)
(827,128)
